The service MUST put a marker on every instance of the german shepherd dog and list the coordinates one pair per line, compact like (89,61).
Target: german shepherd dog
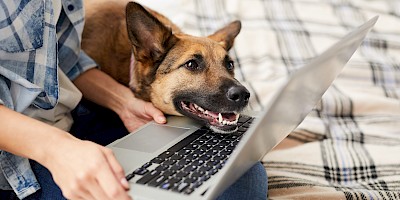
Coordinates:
(179,73)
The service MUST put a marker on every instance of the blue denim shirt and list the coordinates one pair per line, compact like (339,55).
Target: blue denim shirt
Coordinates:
(32,45)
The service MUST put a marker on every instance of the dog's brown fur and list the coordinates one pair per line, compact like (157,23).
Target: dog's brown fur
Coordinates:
(163,56)
(105,37)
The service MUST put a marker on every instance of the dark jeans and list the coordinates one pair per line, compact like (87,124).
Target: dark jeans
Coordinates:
(96,123)
(100,125)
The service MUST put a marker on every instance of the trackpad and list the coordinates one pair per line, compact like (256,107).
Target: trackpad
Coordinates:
(151,138)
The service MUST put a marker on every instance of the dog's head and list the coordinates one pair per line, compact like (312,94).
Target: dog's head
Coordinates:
(183,74)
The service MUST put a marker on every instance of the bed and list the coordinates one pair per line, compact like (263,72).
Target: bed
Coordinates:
(348,147)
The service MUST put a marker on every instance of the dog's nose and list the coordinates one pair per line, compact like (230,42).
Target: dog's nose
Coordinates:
(238,94)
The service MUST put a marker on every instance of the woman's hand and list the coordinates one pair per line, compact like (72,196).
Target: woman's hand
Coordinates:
(138,112)
(85,170)
(82,169)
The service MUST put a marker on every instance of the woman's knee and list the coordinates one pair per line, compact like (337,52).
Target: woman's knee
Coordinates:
(252,185)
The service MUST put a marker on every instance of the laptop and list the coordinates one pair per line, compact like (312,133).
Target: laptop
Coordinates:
(184,160)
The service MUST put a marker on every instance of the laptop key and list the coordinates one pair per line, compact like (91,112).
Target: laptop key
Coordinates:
(206,137)
(224,142)
(230,148)
(196,184)
(190,179)
(205,157)
(213,141)
(140,171)
(180,187)
(238,133)
(189,190)
(174,180)
(166,186)
(161,167)
(199,142)
(176,157)
(242,129)
(219,166)
(218,147)
(146,178)
(156,181)
(146,165)
(165,155)
(220,136)
(247,124)
(190,168)
(157,160)
(231,137)
(192,146)
(225,152)
(251,120)
(213,171)
(168,162)
(184,162)
(184,151)
(181,174)
(204,168)
(168,173)
(205,177)
(192,156)
(130,176)
(176,167)
(197,174)
(178,146)
(198,162)
(243,119)
(218,158)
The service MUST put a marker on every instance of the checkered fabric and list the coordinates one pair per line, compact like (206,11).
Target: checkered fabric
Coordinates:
(348,147)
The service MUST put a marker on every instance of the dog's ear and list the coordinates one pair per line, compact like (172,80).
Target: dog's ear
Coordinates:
(149,37)
(226,35)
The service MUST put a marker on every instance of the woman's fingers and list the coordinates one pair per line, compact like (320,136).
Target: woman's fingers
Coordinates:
(111,184)
(116,168)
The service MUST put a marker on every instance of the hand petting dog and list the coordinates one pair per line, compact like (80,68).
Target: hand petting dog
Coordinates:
(138,112)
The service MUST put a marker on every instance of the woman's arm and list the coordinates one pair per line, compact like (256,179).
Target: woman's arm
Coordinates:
(82,169)
(100,88)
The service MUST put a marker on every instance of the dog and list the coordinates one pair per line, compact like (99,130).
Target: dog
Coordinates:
(179,73)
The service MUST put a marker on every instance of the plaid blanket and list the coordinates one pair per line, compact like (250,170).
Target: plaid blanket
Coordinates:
(348,147)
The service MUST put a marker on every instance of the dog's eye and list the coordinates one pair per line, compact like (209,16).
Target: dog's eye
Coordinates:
(230,65)
(192,65)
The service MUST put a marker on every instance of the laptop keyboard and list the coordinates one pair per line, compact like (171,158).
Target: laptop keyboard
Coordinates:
(192,161)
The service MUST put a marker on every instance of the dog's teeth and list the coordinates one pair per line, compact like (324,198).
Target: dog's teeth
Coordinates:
(183,105)
(206,112)
(237,117)
(201,109)
(195,106)
(220,118)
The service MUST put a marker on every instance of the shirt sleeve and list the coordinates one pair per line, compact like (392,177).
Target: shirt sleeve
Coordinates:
(83,64)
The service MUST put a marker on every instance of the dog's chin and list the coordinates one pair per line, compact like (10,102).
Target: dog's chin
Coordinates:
(224,123)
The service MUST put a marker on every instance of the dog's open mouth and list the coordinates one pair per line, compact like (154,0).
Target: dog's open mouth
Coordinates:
(218,122)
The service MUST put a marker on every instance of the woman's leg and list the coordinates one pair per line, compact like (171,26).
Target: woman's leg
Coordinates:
(96,123)
(8,195)
(49,189)
(253,185)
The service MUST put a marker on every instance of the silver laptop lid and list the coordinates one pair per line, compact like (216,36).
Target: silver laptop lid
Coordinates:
(296,98)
